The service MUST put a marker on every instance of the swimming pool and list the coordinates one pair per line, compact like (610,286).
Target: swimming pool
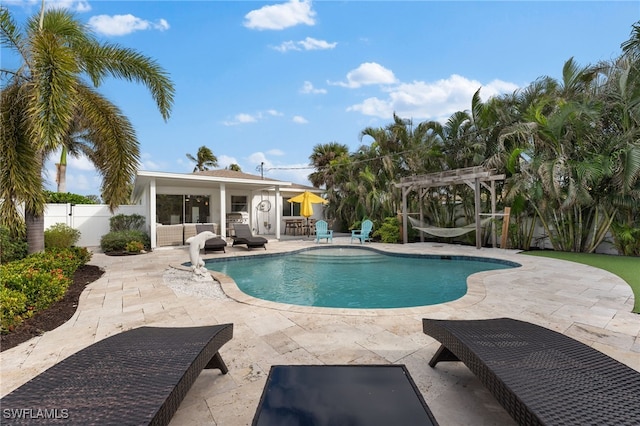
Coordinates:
(354,278)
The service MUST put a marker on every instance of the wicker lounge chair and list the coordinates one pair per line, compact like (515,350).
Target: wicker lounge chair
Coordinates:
(212,244)
(538,375)
(245,237)
(136,377)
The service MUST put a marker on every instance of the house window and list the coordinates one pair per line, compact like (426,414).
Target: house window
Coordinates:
(169,209)
(239,203)
(178,209)
(196,209)
(290,209)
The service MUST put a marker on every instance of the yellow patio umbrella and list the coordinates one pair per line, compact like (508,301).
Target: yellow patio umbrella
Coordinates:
(307,199)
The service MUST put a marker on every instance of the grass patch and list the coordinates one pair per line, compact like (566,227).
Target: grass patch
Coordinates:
(626,267)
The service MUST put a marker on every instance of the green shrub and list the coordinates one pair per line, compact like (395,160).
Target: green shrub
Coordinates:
(13,306)
(134,247)
(117,241)
(123,222)
(41,287)
(11,248)
(35,282)
(67,198)
(389,232)
(60,236)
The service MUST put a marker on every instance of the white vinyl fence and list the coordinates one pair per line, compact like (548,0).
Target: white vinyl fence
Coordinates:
(92,220)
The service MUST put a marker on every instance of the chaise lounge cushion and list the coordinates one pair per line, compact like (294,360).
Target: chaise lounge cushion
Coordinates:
(245,237)
(212,244)
(136,377)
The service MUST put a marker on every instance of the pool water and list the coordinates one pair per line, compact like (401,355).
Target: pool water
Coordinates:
(354,278)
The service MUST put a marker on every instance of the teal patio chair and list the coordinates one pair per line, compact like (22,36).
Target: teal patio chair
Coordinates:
(322,231)
(362,234)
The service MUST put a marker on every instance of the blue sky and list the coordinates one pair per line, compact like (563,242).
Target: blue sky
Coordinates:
(266,81)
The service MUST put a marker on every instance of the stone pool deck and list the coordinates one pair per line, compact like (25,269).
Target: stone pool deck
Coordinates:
(588,304)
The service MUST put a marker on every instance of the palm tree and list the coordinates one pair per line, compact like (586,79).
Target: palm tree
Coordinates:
(235,167)
(62,65)
(204,159)
(321,158)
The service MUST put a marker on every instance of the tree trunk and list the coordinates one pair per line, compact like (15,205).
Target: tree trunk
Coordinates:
(61,177)
(35,232)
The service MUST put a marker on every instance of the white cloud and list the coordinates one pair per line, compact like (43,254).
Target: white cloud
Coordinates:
(241,119)
(118,25)
(226,161)
(306,44)
(80,163)
(281,16)
(72,5)
(367,73)
(299,119)
(146,163)
(307,88)
(436,100)
(276,152)
(244,118)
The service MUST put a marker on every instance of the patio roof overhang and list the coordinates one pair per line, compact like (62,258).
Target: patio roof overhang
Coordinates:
(196,181)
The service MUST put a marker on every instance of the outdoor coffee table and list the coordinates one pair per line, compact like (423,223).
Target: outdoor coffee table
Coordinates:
(341,395)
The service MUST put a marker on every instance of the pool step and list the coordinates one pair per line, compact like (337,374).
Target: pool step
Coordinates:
(316,256)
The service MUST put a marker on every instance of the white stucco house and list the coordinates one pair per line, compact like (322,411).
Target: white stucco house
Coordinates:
(174,202)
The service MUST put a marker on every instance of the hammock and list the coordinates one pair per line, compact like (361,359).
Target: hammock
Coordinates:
(446,232)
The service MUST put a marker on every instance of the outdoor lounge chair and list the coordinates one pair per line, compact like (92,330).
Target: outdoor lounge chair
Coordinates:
(212,244)
(245,237)
(363,233)
(540,376)
(322,231)
(136,377)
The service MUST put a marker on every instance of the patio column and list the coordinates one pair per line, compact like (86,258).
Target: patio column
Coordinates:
(223,211)
(278,212)
(152,213)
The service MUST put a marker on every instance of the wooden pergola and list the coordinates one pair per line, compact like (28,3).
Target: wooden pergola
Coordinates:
(474,177)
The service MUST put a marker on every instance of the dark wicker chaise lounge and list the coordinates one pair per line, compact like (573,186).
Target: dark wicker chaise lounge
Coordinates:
(538,375)
(245,237)
(212,244)
(134,378)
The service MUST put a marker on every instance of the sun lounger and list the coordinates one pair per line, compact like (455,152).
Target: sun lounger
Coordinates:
(212,244)
(245,237)
(538,375)
(136,377)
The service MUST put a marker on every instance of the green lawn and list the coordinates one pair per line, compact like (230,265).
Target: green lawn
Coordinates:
(626,267)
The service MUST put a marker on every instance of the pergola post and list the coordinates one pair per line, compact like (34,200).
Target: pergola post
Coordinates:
(405,232)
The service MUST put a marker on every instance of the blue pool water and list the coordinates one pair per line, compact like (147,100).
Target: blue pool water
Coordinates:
(354,278)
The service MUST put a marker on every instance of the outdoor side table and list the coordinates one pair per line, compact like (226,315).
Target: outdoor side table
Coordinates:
(341,395)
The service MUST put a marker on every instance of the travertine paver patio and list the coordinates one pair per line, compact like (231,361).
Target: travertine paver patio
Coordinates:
(585,303)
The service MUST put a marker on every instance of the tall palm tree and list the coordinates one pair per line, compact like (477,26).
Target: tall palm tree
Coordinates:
(204,159)
(321,158)
(62,65)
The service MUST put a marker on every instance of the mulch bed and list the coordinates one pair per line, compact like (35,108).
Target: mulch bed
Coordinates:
(57,314)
